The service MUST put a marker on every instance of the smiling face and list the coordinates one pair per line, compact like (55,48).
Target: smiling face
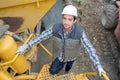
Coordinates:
(68,22)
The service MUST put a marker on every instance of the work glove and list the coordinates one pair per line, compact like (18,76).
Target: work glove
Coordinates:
(100,71)
(21,49)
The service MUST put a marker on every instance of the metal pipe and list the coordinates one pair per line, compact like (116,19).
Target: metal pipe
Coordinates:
(47,51)
(9,62)
(5,76)
(105,76)
(14,36)
(25,77)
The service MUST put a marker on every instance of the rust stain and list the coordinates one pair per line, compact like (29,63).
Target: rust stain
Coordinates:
(13,22)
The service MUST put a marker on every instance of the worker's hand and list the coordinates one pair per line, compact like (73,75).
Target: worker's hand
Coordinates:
(100,71)
(21,49)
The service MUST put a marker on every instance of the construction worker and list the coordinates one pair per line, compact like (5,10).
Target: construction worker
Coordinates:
(67,37)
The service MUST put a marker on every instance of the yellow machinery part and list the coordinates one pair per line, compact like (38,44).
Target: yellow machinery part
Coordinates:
(8,52)
(47,51)
(11,3)
(105,76)
(5,76)
(25,77)
(32,53)
(83,76)
(24,13)
(45,75)
(33,50)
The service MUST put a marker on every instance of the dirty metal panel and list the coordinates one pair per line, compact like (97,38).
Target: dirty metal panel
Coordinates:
(10,3)
(25,16)
(14,22)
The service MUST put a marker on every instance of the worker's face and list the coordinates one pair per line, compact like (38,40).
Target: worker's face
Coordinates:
(68,21)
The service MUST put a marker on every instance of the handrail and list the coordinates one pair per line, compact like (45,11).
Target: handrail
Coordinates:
(11,61)
(95,73)
(105,76)
(32,35)
(21,77)
(47,51)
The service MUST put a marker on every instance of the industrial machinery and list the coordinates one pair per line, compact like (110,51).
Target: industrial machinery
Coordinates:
(29,16)
(15,66)
(19,22)
(111,16)
(110,20)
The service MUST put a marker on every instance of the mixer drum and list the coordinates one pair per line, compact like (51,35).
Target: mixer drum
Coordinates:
(8,49)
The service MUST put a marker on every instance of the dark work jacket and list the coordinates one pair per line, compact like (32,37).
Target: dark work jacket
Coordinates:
(72,42)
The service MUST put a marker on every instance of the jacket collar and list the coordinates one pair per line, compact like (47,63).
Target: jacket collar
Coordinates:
(61,31)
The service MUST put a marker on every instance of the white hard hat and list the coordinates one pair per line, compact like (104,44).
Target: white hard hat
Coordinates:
(71,10)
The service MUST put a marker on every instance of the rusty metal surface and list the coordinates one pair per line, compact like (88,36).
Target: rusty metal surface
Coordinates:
(30,14)
(13,22)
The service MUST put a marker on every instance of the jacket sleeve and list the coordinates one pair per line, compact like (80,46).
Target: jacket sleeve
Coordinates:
(91,50)
(41,37)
